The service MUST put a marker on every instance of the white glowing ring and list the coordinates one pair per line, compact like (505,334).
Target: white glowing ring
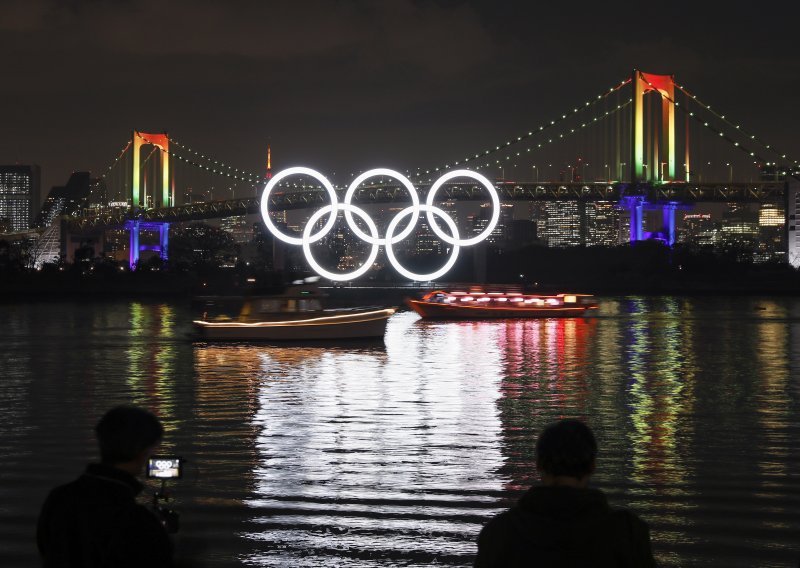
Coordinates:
(431,210)
(308,239)
(290,172)
(495,208)
(414,203)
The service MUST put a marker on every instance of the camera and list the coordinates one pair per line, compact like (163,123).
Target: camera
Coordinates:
(164,468)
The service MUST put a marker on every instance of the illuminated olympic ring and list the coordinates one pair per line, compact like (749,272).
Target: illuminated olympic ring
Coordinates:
(372,238)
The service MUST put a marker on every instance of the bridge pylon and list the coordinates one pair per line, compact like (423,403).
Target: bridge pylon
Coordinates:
(664,145)
(161,141)
(167,196)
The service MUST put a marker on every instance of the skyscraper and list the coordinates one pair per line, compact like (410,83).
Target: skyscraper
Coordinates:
(739,227)
(19,196)
(771,233)
(563,226)
(602,220)
(699,230)
(502,232)
(793,245)
(66,199)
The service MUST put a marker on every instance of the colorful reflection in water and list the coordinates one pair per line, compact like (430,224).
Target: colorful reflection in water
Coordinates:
(396,455)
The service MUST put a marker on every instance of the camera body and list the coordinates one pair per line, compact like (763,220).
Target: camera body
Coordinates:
(164,468)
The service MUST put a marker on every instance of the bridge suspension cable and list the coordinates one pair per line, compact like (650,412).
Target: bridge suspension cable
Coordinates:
(542,128)
(220,168)
(116,160)
(722,117)
(710,127)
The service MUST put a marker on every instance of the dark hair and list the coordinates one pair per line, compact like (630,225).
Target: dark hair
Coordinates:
(125,431)
(566,448)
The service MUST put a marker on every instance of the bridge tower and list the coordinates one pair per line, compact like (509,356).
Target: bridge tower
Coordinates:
(662,151)
(663,145)
(161,141)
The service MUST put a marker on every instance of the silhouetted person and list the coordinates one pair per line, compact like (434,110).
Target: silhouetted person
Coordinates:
(562,522)
(95,521)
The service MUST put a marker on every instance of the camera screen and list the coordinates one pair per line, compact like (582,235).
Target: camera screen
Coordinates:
(164,467)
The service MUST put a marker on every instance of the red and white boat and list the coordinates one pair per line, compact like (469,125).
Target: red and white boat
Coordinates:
(477,304)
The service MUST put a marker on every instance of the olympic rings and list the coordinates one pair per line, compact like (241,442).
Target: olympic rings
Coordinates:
(373,238)
(388,173)
(495,207)
(273,182)
(430,209)
(307,240)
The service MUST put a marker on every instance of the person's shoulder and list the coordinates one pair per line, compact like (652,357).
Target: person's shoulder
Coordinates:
(497,524)
(628,517)
(64,491)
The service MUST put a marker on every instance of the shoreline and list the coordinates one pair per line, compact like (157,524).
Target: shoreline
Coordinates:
(31,287)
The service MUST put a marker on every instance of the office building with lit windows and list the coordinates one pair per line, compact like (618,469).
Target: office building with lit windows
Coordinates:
(793,239)
(563,225)
(502,232)
(602,220)
(20,188)
(699,230)
(739,227)
(238,228)
(771,233)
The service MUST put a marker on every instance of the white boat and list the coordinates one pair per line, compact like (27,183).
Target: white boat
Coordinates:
(297,316)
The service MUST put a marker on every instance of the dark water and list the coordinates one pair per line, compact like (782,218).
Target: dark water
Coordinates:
(366,456)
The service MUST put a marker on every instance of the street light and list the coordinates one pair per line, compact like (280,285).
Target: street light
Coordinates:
(621,168)
(730,172)
(536,172)
(661,170)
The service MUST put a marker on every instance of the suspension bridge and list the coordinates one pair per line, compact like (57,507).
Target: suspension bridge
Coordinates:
(646,143)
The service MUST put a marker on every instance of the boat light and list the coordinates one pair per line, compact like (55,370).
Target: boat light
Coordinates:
(467,299)
(570,299)
(502,299)
(516,299)
(552,301)
(484,299)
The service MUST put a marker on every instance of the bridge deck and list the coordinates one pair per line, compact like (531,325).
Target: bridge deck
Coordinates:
(741,192)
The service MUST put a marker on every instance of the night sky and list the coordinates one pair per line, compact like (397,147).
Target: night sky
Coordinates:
(347,85)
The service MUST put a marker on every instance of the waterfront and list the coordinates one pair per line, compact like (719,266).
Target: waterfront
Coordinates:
(373,456)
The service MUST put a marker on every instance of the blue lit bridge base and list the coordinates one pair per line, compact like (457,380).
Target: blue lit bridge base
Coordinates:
(135,228)
(637,206)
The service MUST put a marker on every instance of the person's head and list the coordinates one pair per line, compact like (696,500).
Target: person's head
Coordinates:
(127,435)
(566,450)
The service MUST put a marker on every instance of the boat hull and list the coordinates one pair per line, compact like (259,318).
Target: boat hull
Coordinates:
(438,310)
(367,326)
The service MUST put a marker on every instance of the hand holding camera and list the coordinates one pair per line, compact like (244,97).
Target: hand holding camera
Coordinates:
(164,468)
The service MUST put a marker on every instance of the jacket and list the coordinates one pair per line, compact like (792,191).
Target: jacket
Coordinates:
(95,522)
(565,527)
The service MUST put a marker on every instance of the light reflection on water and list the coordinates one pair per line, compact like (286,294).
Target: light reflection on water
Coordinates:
(396,455)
